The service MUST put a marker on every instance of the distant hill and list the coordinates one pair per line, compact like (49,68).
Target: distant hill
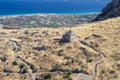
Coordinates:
(111,10)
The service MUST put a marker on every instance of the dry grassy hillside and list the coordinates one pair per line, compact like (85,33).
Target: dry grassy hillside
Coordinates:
(37,54)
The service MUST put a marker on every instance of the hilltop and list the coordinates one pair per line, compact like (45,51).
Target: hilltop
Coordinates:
(39,54)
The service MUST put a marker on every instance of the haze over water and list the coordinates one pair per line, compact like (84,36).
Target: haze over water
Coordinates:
(17,7)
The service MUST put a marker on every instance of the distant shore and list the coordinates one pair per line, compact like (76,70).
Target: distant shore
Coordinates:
(43,14)
(45,20)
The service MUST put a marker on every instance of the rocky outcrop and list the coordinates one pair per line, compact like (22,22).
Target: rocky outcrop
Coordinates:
(15,45)
(111,10)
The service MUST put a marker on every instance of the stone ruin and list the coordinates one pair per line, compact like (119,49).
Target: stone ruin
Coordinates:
(68,37)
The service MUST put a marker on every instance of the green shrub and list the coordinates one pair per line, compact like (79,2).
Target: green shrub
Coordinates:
(24,70)
(67,76)
(14,63)
(47,76)
(90,60)
(21,65)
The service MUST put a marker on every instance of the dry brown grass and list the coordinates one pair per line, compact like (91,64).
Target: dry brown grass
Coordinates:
(67,57)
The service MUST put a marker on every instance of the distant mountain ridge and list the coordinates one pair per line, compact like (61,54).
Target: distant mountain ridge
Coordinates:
(111,10)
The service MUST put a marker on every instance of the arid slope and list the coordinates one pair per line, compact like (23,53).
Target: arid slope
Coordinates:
(39,50)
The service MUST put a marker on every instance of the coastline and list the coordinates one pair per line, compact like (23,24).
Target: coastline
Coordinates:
(43,14)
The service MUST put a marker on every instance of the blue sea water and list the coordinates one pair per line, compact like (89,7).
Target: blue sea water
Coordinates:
(17,7)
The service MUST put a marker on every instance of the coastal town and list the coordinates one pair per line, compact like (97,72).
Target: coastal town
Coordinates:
(45,20)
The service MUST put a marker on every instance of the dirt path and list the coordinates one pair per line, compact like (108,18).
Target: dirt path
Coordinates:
(82,76)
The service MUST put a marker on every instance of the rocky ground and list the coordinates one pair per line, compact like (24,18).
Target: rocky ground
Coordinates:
(38,53)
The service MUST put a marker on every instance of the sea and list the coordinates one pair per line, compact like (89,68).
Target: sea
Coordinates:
(24,7)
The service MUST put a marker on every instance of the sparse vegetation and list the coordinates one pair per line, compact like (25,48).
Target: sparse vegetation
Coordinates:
(23,68)
(90,60)
(67,76)
(47,76)
(75,57)
(14,63)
